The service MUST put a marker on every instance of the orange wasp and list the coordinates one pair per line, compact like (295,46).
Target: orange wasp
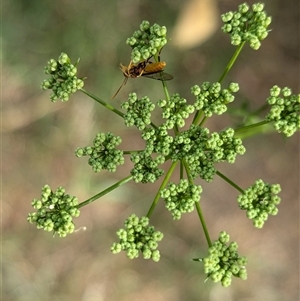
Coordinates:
(144,68)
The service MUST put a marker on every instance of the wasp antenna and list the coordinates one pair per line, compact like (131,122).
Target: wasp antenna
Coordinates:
(123,83)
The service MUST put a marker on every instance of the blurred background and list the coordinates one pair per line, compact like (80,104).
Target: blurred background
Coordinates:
(39,139)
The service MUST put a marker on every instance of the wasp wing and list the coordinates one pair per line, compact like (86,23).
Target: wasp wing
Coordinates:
(158,75)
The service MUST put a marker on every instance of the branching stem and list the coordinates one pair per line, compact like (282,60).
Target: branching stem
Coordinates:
(232,60)
(251,126)
(162,186)
(107,190)
(203,223)
(106,105)
(230,182)
(198,207)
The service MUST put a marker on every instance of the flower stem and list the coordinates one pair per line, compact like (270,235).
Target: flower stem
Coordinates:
(197,117)
(106,105)
(227,69)
(251,126)
(132,152)
(229,182)
(166,90)
(162,186)
(157,59)
(107,190)
(232,60)
(198,207)
(203,223)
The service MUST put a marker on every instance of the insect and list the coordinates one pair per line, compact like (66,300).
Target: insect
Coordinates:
(144,68)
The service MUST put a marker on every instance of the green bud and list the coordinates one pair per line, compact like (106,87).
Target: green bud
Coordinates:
(63,59)
(227,16)
(258,7)
(155,256)
(234,87)
(243,8)
(145,25)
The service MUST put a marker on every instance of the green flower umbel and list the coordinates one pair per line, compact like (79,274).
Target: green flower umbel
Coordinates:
(63,81)
(247,25)
(138,237)
(54,211)
(260,200)
(181,198)
(285,109)
(103,154)
(147,41)
(223,261)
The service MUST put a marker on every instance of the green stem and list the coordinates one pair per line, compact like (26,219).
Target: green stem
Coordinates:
(203,223)
(250,115)
(261,109)
(188,173)
(202,121)
(107,190)
(229,182)
(162,186)
(166,90)
(157,59)
(153,125)
(176,130)
(181,169)
(197,117)
(227,69)
(198,207)
(106,105)
(251,126)
(232,60)
(132,152)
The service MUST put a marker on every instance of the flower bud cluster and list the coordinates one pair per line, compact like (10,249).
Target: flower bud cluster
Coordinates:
(158,140)
(63,81)
(247,25)
(226,147)
(285,109)
(146,168)
(138,237)
(201,151)
(147,41)
(212,99)
(260,200)
(175,111)
(181,198)
(54,211)
(138,111)
(103,154)
(223,261)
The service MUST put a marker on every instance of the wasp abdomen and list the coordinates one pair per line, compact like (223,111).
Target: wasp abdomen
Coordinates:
(154,67)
